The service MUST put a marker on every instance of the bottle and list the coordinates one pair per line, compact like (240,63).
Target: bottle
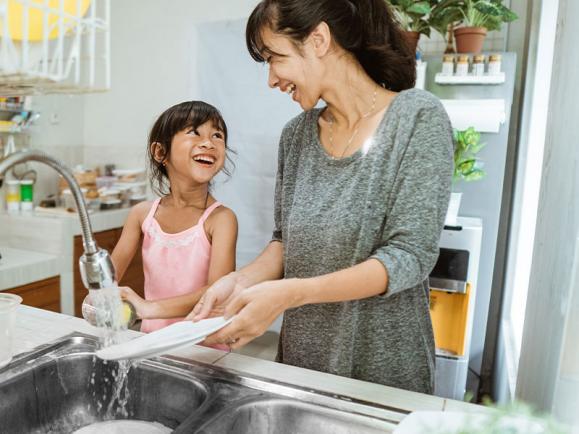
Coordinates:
(12,196)
(462,65)
(494,64)
(26,195)
(478,65)
(448,64)
(89,312)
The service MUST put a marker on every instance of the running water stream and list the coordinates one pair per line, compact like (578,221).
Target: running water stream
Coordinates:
(112,323)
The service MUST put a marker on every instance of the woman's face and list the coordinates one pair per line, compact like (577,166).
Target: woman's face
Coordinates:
(295,72)
(197,154)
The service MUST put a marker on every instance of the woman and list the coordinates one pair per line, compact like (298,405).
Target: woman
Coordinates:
(362,190)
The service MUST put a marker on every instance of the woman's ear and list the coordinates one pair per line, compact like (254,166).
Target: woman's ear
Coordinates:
(321,39)
(158,152)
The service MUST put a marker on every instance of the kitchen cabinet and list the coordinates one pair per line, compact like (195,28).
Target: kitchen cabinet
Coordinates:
(107,240)
(43,294)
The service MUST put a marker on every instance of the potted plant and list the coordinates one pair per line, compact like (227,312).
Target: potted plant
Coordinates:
(474,18)
(467,167)
(411,14)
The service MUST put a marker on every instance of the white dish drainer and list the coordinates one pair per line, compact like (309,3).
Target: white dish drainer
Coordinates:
(72,56)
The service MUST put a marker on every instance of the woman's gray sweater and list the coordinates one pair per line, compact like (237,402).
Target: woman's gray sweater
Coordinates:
(385,202)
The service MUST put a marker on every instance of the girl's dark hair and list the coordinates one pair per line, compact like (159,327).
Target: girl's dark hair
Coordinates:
(365,28)
(190,114)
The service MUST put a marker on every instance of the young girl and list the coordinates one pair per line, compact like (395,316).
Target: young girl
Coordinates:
(188,238)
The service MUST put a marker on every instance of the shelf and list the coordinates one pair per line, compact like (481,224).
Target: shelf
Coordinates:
(469,79)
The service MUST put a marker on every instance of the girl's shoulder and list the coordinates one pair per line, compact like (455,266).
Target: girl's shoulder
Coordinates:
(222,214)
(140,211)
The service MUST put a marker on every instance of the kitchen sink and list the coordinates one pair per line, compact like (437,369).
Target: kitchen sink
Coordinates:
(63,386)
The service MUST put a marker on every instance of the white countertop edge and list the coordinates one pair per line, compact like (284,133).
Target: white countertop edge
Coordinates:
(20,267)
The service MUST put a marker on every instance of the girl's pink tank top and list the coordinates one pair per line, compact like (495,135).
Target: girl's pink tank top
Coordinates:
(173,264)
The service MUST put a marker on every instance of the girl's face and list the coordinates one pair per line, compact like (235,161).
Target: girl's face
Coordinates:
(296,72)
(197,153)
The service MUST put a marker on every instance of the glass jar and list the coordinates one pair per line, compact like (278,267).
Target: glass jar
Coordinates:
(495,64)
(12,196)
(448,64)
(462,65)
(89,312)
(478,65)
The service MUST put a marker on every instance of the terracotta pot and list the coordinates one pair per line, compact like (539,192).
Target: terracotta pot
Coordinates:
(469,39)
(412,40)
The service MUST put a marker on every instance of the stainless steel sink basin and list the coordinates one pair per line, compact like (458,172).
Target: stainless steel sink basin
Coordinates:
(282,416)
(62,387)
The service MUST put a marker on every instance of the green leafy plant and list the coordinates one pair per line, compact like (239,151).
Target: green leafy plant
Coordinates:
(411,14)
(490,14)
(467,166)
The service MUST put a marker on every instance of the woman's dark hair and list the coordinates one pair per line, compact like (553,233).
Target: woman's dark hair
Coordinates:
(365,28)
(190,114)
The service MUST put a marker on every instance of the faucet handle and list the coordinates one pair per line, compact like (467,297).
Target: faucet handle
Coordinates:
(97,270)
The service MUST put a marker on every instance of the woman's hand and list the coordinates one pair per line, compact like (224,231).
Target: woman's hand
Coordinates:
(142,306)
(256,308)
(218,295)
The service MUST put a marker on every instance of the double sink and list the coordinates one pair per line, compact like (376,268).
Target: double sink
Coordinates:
(62,387)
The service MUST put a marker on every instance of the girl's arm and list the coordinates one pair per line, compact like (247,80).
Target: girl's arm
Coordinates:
(129,242)
(222,226)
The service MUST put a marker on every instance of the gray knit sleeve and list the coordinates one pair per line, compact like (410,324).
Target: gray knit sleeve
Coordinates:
(421,192)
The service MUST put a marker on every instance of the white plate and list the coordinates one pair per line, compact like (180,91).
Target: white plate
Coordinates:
(168,338)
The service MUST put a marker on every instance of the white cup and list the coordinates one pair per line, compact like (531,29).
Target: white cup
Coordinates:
(8,305)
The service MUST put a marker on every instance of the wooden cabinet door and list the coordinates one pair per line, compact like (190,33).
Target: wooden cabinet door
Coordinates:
(133,277)
(44,294)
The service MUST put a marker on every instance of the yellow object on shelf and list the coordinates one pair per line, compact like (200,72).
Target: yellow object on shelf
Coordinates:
(449,314)
(36,18)
(6,126)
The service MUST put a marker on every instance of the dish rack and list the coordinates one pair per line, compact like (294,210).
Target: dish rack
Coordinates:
(54,46)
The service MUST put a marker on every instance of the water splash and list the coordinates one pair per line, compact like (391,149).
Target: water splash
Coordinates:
(111,321)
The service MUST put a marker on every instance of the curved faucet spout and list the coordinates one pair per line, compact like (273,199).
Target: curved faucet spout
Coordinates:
(96,267)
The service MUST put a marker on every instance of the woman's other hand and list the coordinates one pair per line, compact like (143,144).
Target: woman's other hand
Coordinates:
(255,309)
(142,306)
(218,296)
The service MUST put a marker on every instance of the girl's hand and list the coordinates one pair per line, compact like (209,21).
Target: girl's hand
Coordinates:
(256,309)
(142,306)
(218,295)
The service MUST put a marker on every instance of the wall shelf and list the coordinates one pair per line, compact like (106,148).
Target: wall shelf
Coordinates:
(469,79)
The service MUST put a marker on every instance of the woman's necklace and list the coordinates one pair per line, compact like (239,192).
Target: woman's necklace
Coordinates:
(364,116)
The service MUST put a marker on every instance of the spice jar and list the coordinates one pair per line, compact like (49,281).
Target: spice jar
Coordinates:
(478,65)
(494,64)
(448,64)
(462,65)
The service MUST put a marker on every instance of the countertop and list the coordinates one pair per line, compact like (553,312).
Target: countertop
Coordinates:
(37,327)
(21,267)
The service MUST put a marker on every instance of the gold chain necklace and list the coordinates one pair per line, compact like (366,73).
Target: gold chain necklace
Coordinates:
(364,116)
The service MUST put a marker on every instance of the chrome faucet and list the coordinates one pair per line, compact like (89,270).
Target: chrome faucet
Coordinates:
(96,268)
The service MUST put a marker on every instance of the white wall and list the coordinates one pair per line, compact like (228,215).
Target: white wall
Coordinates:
(153,67)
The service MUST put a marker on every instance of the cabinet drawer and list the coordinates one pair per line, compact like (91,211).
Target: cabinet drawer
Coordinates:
(44,294)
